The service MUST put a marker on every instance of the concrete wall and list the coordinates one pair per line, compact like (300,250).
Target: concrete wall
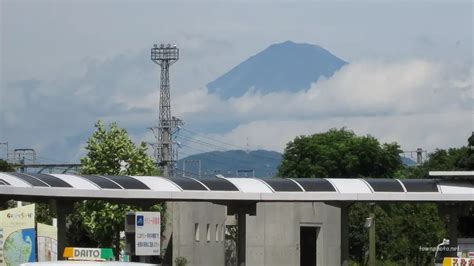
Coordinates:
(184,216)
(273,236)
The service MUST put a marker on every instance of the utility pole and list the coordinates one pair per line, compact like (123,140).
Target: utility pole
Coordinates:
(20,155)
(371,225)
(198,162)
(6,151)
(245,172)
(165,56)
(421,155)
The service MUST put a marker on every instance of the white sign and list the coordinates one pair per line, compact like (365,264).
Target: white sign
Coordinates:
(86,254)
(147,233)
(47,242)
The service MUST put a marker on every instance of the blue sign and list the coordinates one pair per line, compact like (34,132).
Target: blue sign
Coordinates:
(140,220)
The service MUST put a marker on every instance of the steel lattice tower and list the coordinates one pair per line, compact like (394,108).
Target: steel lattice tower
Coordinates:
(165,56)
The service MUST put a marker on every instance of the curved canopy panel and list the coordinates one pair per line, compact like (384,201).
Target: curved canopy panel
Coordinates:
(15,182)
(384,185)
(283,185)
(218,184)
(420,185)
(159,183)
(250,185)
(350,185)
(102,182)
(31,186)
(315,184)
(187,183)
(80,182)
(450,187)
(33,181)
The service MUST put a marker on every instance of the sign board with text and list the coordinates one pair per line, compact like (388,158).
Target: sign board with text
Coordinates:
(147,233)
(458,261)
(17,235)
(47,238)
(91,254)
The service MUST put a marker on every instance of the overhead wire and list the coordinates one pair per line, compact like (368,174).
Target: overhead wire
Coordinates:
(222,142)
(197,140)
(221,155)
(218,159)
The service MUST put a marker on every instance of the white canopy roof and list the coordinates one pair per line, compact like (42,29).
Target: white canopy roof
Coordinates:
(219,188)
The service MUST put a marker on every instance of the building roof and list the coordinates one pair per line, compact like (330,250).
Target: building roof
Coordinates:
(219,188)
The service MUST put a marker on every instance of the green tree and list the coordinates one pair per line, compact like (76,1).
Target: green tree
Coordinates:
(339,153)
(109,152)
(447,160)
(467,162)
(5,166)
(411,226)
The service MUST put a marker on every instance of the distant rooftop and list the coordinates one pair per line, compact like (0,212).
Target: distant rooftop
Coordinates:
(452,174)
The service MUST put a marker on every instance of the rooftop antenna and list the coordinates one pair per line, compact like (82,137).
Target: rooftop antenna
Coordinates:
(6,149)
(165,56)
(247,146)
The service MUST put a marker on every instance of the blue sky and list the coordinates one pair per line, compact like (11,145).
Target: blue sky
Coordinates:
(65,64)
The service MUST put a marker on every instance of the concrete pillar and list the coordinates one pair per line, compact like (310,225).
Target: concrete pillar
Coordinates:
(372,260)
(453,211)
(241,236)
(345,233)
(167,236)
(453,227)
(62,208)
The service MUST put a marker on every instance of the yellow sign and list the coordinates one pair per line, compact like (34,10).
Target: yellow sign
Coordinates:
(458,262)
(47,242)
(17,235)
(97,254)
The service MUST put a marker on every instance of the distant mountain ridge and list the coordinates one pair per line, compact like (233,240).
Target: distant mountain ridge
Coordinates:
(286,66)
(264,163)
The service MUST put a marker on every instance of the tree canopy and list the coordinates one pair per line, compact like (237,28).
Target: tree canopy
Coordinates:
(112,152)
(339,153)
(109,152)
(5,166)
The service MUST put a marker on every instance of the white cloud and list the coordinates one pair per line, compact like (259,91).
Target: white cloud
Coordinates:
(428,131)
(367,88)
(56,116)
(417,103)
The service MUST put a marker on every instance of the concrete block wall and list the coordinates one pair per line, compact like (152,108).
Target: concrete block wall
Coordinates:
(185,216)
(273,235)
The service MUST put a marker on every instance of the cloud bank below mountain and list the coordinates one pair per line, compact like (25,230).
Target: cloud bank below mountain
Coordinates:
(415,102)
(418,103)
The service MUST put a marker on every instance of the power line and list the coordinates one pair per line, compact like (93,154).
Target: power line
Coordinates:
(50,160)
(222,155)
(244,162)
(215,140)
(192,174)
(221,147)
(203,143)
(217,159)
